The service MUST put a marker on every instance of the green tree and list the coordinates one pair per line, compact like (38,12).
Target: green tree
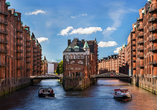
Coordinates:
(59,69)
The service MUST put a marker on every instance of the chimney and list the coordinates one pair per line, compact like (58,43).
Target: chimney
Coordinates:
(82,41)
(69,42)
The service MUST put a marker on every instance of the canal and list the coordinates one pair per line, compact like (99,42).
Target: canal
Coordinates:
(96,97)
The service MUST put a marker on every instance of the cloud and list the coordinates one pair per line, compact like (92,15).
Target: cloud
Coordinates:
(78,16)
(109,29)
(116,50)
(107,44)
(65,31)
(35,12)
(42,39)
(116,13)
(89,30)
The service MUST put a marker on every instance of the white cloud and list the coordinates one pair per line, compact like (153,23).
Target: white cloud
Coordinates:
(65,31)
(35,12)
(42,39)
(109,29)
(116,50)
(107,44)
(116,13)
(89,30)
(78,16)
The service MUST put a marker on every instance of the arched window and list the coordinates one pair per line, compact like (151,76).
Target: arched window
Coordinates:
(71,56)
(72,62)
(78,57)
(82,56)
(80,62)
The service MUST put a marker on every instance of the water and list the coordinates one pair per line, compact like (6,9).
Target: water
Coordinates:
(96,97)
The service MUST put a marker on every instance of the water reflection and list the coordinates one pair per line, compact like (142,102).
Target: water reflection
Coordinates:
(96,97)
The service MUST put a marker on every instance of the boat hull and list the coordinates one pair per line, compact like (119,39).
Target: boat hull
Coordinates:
(123,98)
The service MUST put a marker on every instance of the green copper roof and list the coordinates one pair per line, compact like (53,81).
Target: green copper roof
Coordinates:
(86,45)
(69,47)
(15,14)
(143,11)
(150,1)
(26,29)
(21,22)
(76,47)
(33,38)
(8,3)
(96,42)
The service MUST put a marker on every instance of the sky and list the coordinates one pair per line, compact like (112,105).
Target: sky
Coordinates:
(55,21)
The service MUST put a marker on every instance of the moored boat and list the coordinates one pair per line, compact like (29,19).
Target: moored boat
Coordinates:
(122,94)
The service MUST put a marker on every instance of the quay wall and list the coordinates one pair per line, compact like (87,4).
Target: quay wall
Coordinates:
(9,86)
(149,84)
(77,83)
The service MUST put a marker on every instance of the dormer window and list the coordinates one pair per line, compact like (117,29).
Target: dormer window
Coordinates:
(69,48)
(76,48)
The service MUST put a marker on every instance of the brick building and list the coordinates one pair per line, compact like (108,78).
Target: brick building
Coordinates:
(145,31)
(44,66)
(108,64)
(79,62)
(140,54)
(15,46)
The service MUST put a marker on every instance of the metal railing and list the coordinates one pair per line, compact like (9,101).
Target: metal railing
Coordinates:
(153,18)
(153,48)
(152,9)
(3,21)
(5,51)
(19,51)
(3,12)
(4,41)
(140,27)
(19,37)
(154,62)
(3,31)
(140,34)
(152,38)
(140,42)
(152,28)
(3,64)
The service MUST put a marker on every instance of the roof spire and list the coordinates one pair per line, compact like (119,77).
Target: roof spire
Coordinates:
(85,45)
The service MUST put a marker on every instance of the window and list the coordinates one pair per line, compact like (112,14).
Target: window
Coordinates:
(72,62)
(78,57)
(76,49)
(80,62)
(71,56)
(82,56)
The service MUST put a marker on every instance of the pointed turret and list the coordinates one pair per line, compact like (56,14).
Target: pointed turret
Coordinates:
(86,45)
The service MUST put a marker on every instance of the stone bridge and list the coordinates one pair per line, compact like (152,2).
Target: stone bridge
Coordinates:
(119,76)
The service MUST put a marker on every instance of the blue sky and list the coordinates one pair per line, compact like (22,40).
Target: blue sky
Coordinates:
(55,21)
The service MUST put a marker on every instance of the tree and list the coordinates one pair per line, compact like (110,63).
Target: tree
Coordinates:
(59,69)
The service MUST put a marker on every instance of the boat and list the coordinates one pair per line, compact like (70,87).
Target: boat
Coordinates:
(45,91)
(122,95)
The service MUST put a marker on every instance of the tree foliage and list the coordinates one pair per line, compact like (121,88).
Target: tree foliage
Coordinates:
(59,69)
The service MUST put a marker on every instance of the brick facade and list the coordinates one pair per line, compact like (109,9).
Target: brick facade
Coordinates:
(139,57)
(79,62)
(15,50)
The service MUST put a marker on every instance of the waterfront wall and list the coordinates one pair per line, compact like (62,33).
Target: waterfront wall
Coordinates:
(149,84)
(10,85)
(77,83)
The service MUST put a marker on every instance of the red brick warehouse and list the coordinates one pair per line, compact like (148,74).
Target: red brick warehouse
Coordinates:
(20,52)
